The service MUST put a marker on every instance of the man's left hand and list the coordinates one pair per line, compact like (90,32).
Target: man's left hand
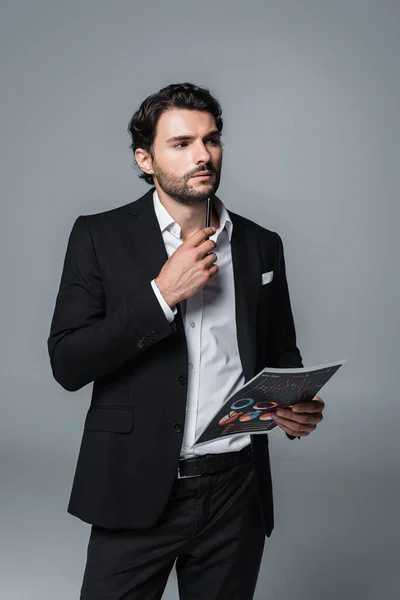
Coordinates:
(300,419)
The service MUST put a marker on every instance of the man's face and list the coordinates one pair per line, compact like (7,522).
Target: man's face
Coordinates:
(187,143)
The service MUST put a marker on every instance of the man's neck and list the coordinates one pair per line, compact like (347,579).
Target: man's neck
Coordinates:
(214,222)
(189,218)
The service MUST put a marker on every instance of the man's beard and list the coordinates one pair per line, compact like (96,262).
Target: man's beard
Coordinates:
(178,188)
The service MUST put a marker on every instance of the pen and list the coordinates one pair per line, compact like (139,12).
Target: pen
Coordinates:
(208,215)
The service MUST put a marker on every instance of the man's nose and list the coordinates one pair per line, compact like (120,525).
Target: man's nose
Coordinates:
(201,154)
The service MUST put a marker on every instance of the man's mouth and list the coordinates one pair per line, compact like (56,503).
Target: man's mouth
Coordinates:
(204,174)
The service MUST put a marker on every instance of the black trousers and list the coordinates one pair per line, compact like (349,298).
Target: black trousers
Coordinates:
(211,527)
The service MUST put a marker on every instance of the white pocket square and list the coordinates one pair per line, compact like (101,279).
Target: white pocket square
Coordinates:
(267,277)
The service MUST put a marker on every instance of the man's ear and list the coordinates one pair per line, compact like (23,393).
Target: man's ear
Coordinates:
(144,160)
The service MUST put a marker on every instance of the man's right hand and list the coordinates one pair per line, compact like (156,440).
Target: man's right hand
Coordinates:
(189,268)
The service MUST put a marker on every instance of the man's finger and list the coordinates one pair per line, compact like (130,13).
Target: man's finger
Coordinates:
(299,428)
(318,399)
(291,431)
(306,417)
(309,407)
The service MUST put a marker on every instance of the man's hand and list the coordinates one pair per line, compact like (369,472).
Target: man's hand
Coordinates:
(301,419)
(189,268)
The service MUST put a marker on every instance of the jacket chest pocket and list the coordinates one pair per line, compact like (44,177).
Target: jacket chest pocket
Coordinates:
(265,300)
(267,277)
(267,285)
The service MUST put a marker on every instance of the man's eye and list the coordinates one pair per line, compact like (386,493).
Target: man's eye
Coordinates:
(216,141)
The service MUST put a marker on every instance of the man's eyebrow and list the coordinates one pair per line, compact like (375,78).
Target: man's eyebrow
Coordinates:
(180,138)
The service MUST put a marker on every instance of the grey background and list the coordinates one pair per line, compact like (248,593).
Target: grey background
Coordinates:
(310,93)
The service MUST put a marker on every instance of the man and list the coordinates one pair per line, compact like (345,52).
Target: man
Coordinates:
(167,334)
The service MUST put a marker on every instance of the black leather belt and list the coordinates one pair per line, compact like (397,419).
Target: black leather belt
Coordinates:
(210,463)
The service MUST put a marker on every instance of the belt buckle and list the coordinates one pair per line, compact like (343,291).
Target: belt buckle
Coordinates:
(180,476)
(185,476)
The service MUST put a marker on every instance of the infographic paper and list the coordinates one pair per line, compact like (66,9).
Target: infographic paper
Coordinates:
(249,409)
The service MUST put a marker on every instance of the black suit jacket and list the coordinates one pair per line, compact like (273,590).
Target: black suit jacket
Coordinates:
(109,328)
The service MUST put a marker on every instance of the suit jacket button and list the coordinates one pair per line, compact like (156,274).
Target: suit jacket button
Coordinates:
(182,379)
(178,427)
(140,344)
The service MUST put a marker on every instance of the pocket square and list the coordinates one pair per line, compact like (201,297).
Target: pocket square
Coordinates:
(267,277)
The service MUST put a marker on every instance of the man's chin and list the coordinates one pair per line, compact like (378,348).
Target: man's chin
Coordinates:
(204,189)
(200,195)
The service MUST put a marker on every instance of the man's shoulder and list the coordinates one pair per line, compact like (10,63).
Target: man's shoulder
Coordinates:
(265,236)
(110,214)
(115,214)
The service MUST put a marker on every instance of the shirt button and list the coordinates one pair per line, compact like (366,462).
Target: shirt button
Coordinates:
(187,408)
(193,324)
(190,365)
(178,427)
(185,448)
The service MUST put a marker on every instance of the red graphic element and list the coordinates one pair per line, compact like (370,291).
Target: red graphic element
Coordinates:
(233,415)
(265,417)
(269,403)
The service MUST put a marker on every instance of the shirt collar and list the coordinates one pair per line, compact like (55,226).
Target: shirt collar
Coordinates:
(167,222)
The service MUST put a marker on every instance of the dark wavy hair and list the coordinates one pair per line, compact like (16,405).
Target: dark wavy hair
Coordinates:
(143,125)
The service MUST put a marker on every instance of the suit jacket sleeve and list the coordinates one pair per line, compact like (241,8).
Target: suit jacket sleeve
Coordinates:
(86,341)
(282,349)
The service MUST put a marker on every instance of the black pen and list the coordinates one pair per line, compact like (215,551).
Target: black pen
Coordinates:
(208,215)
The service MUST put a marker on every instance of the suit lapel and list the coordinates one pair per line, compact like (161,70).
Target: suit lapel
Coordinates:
(147,239)
(247,275)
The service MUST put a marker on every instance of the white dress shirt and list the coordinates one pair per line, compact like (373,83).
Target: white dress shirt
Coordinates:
(215,370)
